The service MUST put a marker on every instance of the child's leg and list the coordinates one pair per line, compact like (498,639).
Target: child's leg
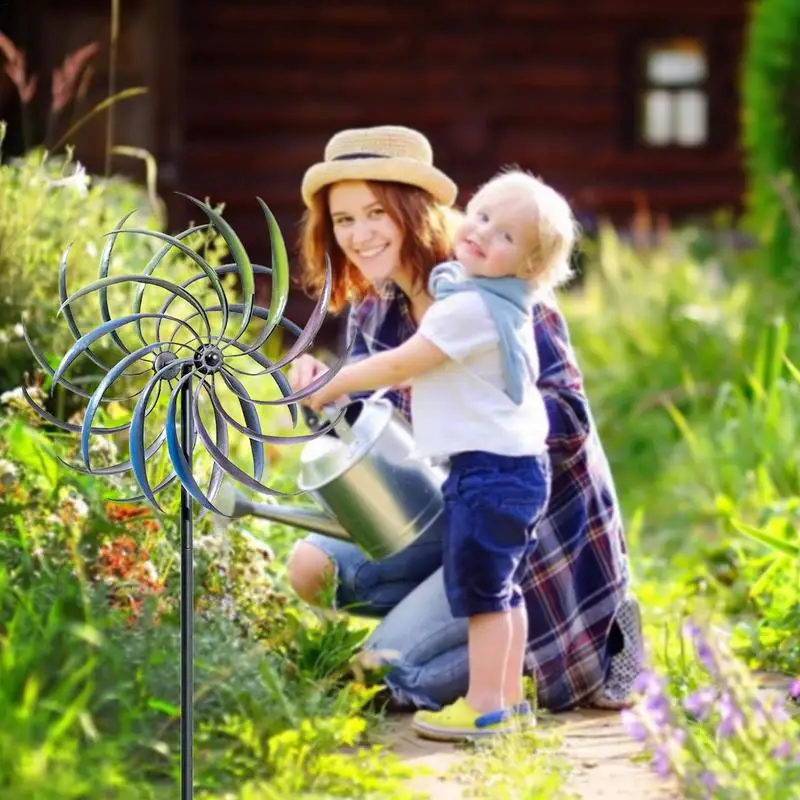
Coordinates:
(515,663)
(490,641)
(495,679)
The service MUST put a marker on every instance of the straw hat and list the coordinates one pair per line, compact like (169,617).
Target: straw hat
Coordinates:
(385,153)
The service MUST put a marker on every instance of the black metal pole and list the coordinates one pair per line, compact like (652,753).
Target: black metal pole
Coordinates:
(187,600)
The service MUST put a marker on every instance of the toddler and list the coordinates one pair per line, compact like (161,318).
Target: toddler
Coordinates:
(473,369)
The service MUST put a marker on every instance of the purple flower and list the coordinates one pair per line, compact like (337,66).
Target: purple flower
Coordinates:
(709,780)
(703,649)
(692,629)
(648,683)
(633,725)
(731,716)
(698,705)
(794,690)
(660,763)
(783,750)
(778,712)
(656,706)
(706,656)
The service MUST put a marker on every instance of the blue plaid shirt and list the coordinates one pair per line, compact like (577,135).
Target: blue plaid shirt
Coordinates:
(578,574)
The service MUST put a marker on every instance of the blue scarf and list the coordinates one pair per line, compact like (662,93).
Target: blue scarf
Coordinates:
(509,302)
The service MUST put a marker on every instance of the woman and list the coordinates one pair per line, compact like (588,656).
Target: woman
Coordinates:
(381,210)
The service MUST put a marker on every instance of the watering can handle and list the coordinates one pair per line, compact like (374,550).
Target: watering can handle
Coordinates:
(379,394)
(313,420)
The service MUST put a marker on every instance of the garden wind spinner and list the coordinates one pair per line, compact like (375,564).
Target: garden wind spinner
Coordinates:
(182,369)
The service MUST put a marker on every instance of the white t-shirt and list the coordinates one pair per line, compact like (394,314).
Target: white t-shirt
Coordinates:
(462,405)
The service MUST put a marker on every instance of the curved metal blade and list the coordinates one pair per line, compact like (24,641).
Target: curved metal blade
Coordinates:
(97,396)
(240,257)
(309,332)
(179,461)
(222,442)
(231,468)
(254,433)
(196,257)
(68,316)
(160,282)
(251,418)
(151,267)
(101,330)
(42,361)
(136,443)
(67,426)
(105,263)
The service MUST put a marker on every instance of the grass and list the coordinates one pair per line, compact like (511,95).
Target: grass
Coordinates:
(528,764)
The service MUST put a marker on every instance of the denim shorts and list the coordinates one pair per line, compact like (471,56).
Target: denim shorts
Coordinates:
(492,506)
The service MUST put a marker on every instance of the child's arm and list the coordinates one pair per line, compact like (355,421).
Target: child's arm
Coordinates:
(391,368)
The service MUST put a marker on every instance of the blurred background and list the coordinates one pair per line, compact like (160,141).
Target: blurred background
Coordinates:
(622,105)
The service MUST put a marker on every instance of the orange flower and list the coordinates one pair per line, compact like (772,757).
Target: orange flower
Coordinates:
(122,512)
(130,575)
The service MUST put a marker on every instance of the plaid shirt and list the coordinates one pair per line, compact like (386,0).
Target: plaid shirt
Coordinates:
(578,574)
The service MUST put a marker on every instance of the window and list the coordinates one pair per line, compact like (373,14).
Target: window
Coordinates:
(673,102)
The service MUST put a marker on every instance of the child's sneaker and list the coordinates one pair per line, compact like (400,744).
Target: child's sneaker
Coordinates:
(458,721)
(523,713)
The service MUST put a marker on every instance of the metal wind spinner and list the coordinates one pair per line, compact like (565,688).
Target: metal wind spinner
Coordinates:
(191,366)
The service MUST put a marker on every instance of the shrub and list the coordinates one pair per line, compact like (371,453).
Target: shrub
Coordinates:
(771,122)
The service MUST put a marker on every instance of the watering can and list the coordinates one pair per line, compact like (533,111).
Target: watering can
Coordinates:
(368,487)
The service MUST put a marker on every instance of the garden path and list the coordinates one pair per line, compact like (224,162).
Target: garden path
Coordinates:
(594,744)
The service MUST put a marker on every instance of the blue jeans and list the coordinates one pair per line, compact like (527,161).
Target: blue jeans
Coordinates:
(425,644)
(493,504)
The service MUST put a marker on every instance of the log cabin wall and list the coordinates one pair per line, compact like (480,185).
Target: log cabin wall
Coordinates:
(552,86)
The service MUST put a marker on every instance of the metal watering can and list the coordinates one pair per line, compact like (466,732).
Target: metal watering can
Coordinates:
(369,488)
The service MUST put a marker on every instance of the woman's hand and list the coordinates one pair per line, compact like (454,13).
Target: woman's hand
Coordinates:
(304,370)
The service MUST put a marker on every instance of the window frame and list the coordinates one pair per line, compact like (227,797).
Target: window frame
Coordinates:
(634,83)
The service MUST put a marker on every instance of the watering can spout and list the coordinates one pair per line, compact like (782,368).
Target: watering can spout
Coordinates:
(236,504)
(308,519)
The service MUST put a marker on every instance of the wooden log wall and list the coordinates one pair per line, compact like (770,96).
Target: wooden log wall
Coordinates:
(49,30)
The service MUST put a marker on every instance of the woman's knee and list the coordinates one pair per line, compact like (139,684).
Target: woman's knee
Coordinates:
(311,573)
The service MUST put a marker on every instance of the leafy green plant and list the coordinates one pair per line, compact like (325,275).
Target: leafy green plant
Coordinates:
(652,326)
(771,130)
(524,764)
(275,702)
